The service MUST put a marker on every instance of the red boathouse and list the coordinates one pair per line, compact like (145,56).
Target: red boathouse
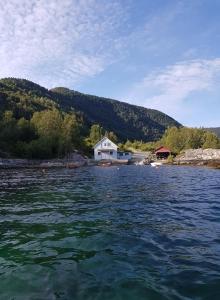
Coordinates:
(162,152)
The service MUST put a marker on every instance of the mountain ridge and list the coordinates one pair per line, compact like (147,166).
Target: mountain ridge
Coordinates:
(126,120)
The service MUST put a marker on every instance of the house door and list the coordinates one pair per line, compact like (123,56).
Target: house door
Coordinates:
(105,155)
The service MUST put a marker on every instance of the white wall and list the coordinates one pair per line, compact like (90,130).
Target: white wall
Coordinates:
(105,144)
(105,155)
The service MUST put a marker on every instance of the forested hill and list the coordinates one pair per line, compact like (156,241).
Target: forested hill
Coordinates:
(127,121)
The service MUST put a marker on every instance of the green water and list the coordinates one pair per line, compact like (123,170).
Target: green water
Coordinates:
(108,233)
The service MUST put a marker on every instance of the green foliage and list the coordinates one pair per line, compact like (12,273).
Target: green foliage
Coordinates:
(70,133)
(47,134)
(8,131)
(178,139)
(139,145)
(211,140)
(215,130)
(112,136)
(24,98)
(170,158)
(125,120)
(26,130)
(40,123)
(96,133)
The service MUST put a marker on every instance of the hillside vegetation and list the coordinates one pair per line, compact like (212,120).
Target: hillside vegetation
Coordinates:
(40,123)
(179,139)
(216,130)
(24,98)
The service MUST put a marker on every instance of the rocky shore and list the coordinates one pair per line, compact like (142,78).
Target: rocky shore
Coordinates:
(195,157)
(74,160)
(199,157)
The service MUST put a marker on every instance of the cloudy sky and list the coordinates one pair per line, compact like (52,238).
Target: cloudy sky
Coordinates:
(162,54)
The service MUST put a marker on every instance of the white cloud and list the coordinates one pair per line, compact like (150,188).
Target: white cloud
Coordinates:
(58,42)
(168,89)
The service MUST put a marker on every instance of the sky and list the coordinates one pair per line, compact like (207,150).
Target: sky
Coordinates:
(160,54)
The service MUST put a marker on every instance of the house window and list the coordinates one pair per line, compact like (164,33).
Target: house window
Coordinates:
(99,153)
(111,152)
(104,144)
(109,144)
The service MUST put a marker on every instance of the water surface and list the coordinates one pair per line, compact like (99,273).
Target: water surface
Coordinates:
(133,232)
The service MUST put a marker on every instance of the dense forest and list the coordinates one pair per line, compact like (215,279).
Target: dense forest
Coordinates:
(40,123)
(127,121)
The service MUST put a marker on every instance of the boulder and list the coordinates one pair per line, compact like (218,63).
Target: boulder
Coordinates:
(191,155)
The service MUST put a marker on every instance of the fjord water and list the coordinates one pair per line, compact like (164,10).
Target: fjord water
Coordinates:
(133,232)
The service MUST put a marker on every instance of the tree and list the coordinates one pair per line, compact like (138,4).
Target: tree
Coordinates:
(211,141)
(8,131)
(178,139)
(25,130)
(96,133)
(173,139)
(48,125)
(70,133)
(112,136)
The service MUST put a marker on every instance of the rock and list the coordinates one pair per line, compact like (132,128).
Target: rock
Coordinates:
(198,156)
(74,160)
(72,165)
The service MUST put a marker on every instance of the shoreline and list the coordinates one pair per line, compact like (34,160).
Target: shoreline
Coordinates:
(214,164)
(191,157)
(80,161)
(15,163)
(73,164)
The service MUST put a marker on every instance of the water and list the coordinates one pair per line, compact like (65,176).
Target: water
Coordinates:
(108,233)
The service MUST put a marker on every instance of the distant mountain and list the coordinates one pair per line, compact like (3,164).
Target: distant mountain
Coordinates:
(216,130)
(127,121)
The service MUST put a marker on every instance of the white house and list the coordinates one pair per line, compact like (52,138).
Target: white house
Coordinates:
(106,149)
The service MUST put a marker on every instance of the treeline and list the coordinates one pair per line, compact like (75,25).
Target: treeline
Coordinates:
(216,130)
(54,134)
(48,134)
(127,121)
(179,139)
(97,132)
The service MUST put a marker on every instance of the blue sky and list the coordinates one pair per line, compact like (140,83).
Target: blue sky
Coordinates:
(162,54)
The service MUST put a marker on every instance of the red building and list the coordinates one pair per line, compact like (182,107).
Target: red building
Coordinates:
(162,152)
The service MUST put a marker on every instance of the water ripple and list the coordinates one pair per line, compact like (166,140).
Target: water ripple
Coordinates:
(109,233)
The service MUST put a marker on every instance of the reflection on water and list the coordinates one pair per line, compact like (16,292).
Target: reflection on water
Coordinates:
(108,233)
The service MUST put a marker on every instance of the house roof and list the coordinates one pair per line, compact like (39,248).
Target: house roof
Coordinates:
(104,138)
(162,150)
